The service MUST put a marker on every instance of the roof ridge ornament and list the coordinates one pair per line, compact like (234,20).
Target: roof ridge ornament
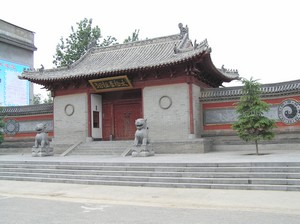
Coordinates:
(42,68)
(185,44)
(183,30)
(92,43)
(232,72)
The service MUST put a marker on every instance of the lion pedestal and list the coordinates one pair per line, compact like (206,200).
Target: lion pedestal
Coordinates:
(141,146)
(41,145)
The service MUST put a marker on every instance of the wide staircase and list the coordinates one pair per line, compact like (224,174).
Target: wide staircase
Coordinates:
(101,148)
(284,176)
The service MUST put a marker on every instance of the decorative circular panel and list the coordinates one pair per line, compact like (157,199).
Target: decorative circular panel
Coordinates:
(289,111)
(165,102)
(69,109)
(11,127)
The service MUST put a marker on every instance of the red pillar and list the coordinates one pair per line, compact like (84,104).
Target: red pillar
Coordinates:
(192,128)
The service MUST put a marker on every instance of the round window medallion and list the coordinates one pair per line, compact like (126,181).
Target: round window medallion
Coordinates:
(289,111)
(69,109)
(11,127)
(165,102)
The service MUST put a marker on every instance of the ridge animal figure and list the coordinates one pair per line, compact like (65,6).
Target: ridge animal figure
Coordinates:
(141,134)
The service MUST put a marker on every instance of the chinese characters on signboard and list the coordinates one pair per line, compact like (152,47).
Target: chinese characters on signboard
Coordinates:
(111,84)
(13,91)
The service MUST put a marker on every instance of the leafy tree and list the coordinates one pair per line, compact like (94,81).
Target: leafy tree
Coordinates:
(49,98)
(133,37)
(252,125)
(81,39)
(1,127)
(78,42)
(37,99)
(109,40)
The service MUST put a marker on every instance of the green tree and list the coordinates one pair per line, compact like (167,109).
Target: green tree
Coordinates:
(252,125)
(1,126)
(133,37)
(37,99)
(49,98)
(109,40)
(79,41)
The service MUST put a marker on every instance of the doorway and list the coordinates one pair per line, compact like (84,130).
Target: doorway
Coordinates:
(120,110)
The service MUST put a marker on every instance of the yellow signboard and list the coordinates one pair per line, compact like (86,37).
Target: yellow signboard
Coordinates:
(111,84)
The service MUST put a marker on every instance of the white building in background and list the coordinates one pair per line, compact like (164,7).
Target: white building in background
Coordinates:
(16,54)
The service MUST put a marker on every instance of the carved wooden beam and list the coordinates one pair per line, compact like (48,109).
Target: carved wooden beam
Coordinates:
(142,75)
(172,72)
(77,83)
(85,83)
(189,69)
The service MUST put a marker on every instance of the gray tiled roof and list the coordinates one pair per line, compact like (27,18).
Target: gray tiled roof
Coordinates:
(273,89)
(26,110)
(130,57)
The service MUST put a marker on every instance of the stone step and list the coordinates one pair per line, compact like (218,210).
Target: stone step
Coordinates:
(108,143)
(97,152)
(159,168)
(16,147)
(280,138)
(17,144)
(251,166)
(102,148)
(263,176)
(159,184)
(147,164)
(229,181)
(14,151)
(121,149)
(20,171)
(234,143)
(155,174)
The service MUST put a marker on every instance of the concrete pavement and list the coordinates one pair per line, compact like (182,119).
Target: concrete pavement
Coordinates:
(242,200)
(269,201)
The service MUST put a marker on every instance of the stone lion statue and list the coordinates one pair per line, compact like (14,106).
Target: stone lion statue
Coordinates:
(41,144)
(141,134)
(41,138)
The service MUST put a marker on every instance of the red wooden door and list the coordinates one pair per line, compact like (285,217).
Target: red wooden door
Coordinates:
(124,120)
(107,121)
(119,118)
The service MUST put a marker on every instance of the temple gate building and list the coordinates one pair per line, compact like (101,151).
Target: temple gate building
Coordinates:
(106,90)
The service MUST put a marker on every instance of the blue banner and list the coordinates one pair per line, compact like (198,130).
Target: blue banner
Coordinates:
(13,91)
